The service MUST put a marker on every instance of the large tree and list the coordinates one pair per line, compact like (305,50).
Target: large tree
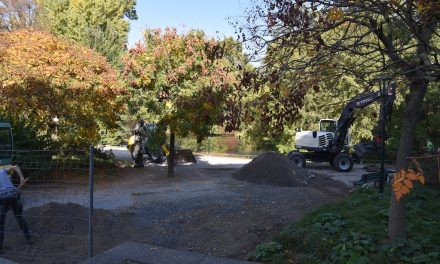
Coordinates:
(323,40)
(15,14)
(186,81)
(43,77)
(99,24)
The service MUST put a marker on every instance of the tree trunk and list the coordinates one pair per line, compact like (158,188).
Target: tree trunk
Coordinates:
(171,155)
(412,114)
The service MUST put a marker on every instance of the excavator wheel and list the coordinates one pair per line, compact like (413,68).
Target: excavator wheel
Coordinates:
(343,163)
(297,158)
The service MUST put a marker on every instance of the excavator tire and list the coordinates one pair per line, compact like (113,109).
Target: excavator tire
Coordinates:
(297,158)
(343,163)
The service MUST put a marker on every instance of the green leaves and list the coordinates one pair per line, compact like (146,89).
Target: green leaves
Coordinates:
(410,251)
(353,249)
(186,78)
(266,251)
(98,24)
(329,223)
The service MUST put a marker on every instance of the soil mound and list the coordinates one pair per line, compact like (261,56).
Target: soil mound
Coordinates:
(273,169)
(60,233)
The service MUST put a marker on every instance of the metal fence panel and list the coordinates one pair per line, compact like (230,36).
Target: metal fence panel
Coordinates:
(56,207)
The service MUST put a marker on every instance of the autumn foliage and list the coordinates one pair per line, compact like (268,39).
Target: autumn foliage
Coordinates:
(403,180)
(43,76)
(185,80)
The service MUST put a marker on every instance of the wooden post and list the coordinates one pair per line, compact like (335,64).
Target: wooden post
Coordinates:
(382,142)
(438,171)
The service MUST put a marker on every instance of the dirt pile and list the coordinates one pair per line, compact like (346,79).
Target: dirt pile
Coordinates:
(273,169)
(60,233)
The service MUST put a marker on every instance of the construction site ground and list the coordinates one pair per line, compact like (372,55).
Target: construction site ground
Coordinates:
(202,209)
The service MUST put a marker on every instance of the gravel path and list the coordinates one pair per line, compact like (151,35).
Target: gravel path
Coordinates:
(201,209)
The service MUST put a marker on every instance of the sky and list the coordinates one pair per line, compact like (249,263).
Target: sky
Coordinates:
(209,15)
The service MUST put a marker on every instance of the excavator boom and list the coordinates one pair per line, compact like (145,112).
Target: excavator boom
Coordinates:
(363,100)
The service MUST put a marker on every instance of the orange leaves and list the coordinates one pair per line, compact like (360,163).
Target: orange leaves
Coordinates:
(44,74)
(185,75)
(427,7)
(403,180)
(335,14)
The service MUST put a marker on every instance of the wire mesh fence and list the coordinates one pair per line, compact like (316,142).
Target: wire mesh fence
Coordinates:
(55,202)
(430,164)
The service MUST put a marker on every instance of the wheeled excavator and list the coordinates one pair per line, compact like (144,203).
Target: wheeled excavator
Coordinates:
(330,143)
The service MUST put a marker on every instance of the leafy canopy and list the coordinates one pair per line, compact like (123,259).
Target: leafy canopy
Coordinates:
(98,24)
(44,77)
(185,81)
(15,14)
(314,43)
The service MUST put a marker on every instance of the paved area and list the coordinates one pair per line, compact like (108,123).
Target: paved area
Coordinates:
(346,177)
(6,261)
(137,253)
(234,162)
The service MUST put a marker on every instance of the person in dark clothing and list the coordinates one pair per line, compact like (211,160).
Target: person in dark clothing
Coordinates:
(10,198)
(139,134)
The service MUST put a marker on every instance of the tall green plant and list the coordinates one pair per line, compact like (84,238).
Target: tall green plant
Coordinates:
(99,24)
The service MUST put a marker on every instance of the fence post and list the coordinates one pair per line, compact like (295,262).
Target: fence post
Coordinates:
(91,202)
(209,146)
(438,171)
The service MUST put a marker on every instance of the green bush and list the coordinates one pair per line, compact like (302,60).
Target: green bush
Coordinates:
(104,158)
(267,251)
(353,248)
(353,231)
(26,133)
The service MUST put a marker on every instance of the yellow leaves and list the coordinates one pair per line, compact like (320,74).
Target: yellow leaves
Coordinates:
(41,73)
(207,106)
(427,6)
(335,14)
(169,105)
(403,180)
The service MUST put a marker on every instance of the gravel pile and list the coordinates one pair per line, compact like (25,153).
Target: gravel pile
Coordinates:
(273,169)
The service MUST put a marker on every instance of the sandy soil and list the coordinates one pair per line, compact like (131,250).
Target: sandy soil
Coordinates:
(201,209)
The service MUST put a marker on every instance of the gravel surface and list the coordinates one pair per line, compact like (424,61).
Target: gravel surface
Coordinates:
(202,209)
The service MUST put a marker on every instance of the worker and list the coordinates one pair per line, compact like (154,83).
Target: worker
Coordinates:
(10,197)
(140,133)
(150,130)
(429,146)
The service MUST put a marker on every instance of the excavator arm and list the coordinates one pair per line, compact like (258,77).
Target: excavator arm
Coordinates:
(348,113)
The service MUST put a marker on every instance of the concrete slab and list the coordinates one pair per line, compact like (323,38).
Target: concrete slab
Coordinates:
(137,253)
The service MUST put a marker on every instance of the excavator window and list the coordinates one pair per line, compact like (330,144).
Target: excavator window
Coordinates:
(328,125)
(5,144)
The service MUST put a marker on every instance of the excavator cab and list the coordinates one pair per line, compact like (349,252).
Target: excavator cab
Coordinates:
(6,144)
(328,125)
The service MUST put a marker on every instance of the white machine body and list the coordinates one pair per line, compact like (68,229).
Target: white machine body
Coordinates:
(317,140)
(313,139)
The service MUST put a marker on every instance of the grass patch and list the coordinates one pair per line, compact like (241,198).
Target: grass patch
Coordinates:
(354,231)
